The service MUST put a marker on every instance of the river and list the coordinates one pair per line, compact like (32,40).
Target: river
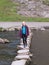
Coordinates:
(40,47)
(8,50)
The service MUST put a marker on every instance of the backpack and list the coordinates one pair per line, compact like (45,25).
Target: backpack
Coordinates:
(23,29)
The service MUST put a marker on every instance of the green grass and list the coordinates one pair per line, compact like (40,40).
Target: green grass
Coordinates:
(46,2)
(8,13)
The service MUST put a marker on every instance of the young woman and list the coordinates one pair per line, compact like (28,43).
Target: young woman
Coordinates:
(24,32)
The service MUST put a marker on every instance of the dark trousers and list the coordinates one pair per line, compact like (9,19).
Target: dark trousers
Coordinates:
(24,37)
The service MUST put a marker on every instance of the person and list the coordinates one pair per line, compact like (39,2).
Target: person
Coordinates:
(24,32)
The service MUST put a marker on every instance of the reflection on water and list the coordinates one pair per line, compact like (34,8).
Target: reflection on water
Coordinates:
(8,51)
(40,47)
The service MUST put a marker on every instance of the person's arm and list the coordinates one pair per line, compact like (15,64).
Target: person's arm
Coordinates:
(20,33)
(27,30)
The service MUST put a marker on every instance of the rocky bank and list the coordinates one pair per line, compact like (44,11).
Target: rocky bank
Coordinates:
(32,8)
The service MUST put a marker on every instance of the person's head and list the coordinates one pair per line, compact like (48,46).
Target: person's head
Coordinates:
(23,23)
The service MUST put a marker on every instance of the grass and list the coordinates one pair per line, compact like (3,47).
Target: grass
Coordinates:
(46,2)
(8,13)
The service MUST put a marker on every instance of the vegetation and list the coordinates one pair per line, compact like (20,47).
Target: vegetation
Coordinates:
(7,10)
(8,13)
(46,2)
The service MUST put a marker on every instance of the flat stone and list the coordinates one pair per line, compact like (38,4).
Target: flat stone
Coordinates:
(22,57)
(19,62)
(23,51)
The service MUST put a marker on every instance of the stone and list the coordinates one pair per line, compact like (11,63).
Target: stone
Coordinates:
(23,1)
(1,40)
(43,29)
(22,57)
(23,51)
(11,29)
(19,62)
(4,40)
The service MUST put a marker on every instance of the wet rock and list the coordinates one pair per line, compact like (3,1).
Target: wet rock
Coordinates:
(1,40)
(43,29)
(11,29)
(4,40)
(17,29)
(4,30)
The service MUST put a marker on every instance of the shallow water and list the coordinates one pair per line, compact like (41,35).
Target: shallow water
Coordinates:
(8,51)
(40,47)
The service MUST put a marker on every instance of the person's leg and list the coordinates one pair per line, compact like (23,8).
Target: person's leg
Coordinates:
(23,37)
(25,40)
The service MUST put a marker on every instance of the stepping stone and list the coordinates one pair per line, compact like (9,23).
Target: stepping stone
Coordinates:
(22,46)
(19,62)
(23,51)
(22,57)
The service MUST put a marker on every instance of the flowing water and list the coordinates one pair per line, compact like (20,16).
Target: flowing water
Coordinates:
(40,47)
(8,51)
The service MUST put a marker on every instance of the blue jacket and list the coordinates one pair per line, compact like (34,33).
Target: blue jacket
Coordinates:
(27,31)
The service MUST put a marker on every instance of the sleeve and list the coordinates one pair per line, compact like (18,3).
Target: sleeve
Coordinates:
(20,33)
(27,31)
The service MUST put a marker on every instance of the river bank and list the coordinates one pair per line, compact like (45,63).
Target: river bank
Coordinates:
(18,24)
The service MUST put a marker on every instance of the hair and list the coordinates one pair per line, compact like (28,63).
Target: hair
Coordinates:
(23,23)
